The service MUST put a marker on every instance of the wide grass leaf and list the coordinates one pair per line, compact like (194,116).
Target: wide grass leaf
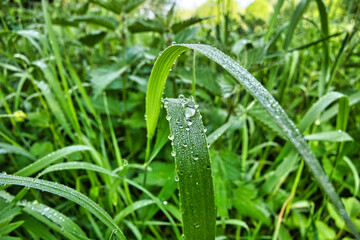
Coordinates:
(193,168)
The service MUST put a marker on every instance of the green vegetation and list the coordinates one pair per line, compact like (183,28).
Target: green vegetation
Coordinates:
(265,147)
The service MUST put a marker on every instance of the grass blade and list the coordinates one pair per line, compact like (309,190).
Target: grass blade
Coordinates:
(65,192)
(40,211)
(7,148)
(51,158)
(95,168)
(193,167)
(331,136)
(156,85)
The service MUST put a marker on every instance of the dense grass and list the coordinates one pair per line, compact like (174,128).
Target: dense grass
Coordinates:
(82,162)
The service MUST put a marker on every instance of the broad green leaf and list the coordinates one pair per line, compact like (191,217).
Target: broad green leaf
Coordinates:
(91,39)
(65,192)
(332,136)
(179,26)
(99,20)
(193,168)
(133,4)
(51,158)
(40,149)
(115,6)
(324,231)
(156,86)
(102,77)
(352,205)
(146,25)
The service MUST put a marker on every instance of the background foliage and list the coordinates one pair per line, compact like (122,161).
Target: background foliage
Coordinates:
(73,78)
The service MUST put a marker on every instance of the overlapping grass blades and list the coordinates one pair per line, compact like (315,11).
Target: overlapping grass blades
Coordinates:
(66,192)
(193,168)
(155,89)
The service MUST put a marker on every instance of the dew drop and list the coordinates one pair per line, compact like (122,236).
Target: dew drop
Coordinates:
(189,112)
(181,96)
(171,137)
(173,153)
(168,117)
(165,202)
(176,178)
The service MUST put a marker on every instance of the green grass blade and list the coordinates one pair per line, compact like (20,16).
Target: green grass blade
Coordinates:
(220,131)
(39,211)
(156,85)
(326,53)
(51,158)
(92,167)
(299,11)
(132,208)
(310,117)
(65,192)
(193,167)
(331,136)
(155,90)
(7,148)
(328,114)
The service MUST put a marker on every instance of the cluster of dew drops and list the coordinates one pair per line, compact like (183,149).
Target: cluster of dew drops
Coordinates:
(189,112)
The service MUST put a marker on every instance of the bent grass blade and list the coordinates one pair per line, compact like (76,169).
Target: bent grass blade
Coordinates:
(65,192)
(156,86)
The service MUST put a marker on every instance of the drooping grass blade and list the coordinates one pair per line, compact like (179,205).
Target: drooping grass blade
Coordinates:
(65,192)
(155,89)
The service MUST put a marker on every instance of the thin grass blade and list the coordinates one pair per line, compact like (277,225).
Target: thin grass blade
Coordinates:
(65,192)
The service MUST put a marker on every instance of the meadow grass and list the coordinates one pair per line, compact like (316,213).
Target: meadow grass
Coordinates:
(252,145)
